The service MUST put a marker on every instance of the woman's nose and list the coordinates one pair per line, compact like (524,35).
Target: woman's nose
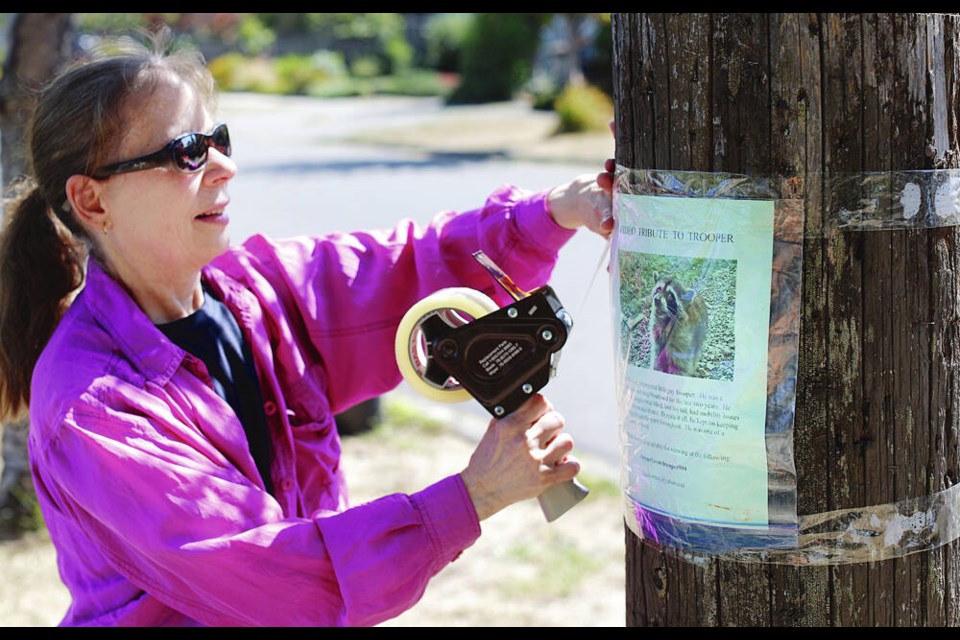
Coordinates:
(220,167)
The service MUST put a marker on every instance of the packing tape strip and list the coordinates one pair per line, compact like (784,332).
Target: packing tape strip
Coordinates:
(872,200)
(847,536)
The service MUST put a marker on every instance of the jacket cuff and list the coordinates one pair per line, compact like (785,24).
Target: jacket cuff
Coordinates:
(535,221)
(450,516)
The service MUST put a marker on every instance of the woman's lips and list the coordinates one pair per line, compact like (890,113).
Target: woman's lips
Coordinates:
(213,216)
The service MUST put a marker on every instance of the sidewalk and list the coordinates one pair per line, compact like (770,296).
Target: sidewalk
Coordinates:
(511,130)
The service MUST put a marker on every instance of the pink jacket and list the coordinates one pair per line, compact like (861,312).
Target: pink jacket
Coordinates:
(143,473)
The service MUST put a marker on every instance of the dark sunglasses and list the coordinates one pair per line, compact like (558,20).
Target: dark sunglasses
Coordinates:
(187,153)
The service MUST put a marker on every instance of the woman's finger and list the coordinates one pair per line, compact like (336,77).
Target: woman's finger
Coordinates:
(544,430)
(558,449)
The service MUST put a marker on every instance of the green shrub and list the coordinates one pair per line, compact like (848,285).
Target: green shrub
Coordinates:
(543,98)
(366,67)
(340,87)
(497,57)
(259,75)
(322,74)
(583,108)
(381,35)
(330,64)
(410,83)
(444,35)
(399,53)
(294,73)
(413,83)
(225,69)
(254,36)
(235,72)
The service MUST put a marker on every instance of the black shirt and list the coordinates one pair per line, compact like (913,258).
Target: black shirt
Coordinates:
(213,335)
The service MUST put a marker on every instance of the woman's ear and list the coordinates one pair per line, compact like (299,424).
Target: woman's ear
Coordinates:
(84,195)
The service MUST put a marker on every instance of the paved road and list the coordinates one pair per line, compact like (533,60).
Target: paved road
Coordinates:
(298,175)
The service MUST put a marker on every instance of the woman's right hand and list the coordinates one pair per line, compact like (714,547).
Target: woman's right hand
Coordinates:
(519,457)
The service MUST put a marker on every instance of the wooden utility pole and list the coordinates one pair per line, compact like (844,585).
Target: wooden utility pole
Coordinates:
(807,95)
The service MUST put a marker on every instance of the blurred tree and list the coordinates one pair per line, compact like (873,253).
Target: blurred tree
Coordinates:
(39,45)
(579,37)
(575,50)
(598,58)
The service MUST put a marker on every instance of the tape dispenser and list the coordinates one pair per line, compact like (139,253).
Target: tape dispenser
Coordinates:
(457,344)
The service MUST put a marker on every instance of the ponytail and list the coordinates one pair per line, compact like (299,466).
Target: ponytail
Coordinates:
(42,266)
(78,118)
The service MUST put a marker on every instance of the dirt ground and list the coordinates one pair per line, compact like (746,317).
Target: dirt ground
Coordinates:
(522,571)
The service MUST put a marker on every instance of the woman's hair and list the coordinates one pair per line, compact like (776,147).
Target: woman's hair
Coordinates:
(77,120)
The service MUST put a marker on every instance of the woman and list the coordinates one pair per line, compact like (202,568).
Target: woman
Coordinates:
(182,390)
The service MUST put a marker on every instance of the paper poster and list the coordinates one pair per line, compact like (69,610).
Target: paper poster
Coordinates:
(694,282)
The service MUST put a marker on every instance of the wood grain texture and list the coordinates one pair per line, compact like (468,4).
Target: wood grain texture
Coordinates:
(807,95)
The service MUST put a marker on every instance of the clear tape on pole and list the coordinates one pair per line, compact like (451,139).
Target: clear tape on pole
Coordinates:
(862,201)
(846,536)
(708,467)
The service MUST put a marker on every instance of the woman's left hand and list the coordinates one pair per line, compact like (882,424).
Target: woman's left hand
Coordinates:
(585,201)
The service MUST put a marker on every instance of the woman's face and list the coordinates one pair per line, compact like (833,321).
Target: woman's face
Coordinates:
(160,224)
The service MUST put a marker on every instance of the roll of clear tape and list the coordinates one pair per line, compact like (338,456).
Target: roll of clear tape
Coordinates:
(458,306)
(454,305)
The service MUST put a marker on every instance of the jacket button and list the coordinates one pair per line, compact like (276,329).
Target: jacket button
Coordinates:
(269,408)
(286,484)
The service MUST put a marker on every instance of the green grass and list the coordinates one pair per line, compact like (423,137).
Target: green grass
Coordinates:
(599,487)
(408,415)
(555,574)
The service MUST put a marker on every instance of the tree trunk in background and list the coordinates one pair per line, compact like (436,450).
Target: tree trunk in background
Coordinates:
(39,44)
(802,94)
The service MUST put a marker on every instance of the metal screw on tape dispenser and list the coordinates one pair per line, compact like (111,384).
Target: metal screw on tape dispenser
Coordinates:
(457,343)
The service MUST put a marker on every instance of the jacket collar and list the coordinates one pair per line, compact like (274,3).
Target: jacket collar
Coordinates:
(142,344)
(151,352)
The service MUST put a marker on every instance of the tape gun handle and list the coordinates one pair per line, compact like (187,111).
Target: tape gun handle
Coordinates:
(560,498)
